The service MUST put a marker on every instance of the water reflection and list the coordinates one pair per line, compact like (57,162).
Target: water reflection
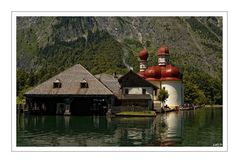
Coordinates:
(134,131)
(187,128)
(171,127)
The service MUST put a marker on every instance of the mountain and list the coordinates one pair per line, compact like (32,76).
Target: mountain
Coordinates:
(48,45)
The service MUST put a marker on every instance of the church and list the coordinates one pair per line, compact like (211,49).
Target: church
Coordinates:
(164,76)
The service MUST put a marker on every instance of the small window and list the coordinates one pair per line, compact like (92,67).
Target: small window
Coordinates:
(126,91)
(84,84)
(143,91)
(57,83)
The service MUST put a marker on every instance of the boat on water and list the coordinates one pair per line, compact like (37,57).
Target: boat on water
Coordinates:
(168,109)
(183,107)
(188,107)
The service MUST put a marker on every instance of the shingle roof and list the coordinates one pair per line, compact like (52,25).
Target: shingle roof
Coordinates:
(110,82)
(70,84)
(132,79)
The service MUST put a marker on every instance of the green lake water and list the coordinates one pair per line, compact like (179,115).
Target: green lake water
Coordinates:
(201,127)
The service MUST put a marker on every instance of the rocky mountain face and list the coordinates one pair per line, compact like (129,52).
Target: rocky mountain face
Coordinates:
(48,45)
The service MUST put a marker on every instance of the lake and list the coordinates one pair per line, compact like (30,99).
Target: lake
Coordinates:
(201,127)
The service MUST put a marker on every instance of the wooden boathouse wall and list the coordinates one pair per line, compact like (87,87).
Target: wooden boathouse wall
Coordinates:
(86,105)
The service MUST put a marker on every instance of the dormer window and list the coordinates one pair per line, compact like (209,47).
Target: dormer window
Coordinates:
(84,84)
(57,83)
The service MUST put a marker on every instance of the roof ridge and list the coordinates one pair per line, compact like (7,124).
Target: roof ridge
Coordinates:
(69,78)
(52,77)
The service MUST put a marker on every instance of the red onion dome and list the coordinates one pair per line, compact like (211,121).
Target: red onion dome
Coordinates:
(170,71)
(143,54)
(163,50)
(153,72)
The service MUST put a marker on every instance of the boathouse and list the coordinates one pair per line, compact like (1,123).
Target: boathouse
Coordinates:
(74,91)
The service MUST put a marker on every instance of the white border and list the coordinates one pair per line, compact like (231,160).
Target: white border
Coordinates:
(123,149)
(118,13)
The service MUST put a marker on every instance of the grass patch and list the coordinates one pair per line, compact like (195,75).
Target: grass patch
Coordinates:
(142,113)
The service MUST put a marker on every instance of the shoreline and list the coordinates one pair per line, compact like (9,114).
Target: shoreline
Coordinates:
(137,114)
(213,106)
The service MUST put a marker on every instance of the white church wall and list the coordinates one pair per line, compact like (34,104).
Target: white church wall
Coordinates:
(174,89)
